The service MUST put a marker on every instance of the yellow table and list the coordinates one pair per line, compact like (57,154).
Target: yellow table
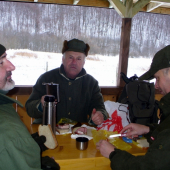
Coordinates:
(69,157)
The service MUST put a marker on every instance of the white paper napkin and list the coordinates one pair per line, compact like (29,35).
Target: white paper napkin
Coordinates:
(74,136)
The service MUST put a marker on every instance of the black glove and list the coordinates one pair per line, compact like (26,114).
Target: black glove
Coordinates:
(48,163)
(40,141)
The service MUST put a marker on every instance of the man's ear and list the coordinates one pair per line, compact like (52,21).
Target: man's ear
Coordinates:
(84,60)
(62,58)
(87,49)
(65,47)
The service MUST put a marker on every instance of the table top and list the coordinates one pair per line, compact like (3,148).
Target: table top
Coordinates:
(69,157)
(67,148)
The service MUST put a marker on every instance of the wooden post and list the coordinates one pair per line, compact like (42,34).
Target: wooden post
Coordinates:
(124,49)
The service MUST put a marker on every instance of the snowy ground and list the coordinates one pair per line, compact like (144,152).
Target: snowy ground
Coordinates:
(31,64)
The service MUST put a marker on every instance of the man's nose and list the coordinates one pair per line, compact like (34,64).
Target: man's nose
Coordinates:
(10,66)
(74,61)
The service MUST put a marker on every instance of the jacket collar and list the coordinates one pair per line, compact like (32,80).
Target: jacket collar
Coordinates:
(164,106)
(6,100)
(63,73)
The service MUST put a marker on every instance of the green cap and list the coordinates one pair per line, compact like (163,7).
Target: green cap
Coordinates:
(2,49)
(75,45)
(160,61)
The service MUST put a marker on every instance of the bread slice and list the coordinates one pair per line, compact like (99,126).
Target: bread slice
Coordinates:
(51,141)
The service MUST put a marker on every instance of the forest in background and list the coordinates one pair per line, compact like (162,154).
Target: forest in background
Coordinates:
(44,27)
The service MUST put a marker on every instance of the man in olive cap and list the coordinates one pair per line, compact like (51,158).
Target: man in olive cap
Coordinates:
(80,97)
(158,135)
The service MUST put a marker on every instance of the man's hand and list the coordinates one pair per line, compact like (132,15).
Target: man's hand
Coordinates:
(97,117)
(134,129)
(81,130)
(105,148)
(42,100)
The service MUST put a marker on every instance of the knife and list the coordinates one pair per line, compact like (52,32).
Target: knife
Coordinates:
(116,135)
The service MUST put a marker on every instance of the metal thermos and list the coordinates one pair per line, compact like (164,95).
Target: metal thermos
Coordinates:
(49,112)
(52,89)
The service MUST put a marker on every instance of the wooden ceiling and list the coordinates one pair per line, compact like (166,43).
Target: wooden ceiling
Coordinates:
(125,8)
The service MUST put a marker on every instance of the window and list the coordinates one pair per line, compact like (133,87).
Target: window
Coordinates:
(34,34)
(149,33)
(38,32)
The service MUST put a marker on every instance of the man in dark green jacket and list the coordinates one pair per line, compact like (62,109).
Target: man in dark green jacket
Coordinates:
(18,150)
(158,135)
(79,93)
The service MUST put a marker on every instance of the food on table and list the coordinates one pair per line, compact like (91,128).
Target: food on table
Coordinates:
(80,130)
(63,128)
(78,124)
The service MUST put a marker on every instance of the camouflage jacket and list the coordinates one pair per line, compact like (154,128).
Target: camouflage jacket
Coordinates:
(158,154)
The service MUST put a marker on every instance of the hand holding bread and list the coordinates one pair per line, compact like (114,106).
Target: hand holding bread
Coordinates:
(51,141)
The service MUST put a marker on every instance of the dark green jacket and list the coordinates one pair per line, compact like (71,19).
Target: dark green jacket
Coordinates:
(158,154)
(18,150)
(77,97)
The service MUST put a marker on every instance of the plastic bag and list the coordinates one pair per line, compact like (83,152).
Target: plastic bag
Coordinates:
(118,117)
(104,134)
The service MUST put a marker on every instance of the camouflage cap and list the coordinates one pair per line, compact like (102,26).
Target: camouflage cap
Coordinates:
(75,45)
(2,49)
(160,61)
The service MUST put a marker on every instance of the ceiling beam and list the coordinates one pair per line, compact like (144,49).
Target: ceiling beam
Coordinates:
(118,6)
(139,5)
(161,10)
(161,1)
(129,8)
(123,7)
(110,4)
(75,2)
(151,6)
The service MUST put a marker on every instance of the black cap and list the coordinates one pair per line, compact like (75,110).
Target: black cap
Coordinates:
(75,45)
(160,61)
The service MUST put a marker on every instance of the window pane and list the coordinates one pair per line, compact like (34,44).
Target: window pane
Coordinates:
(43,28)
(149,34)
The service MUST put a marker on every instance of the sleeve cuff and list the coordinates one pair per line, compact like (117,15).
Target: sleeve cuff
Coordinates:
(112,154)
(39,107)
(91,122)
